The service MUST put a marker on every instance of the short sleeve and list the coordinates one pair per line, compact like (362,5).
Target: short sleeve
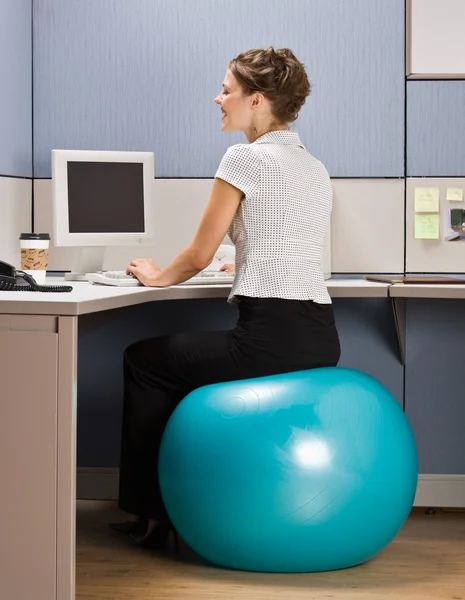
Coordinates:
(240,167)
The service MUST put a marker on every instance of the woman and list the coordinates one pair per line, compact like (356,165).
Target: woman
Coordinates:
(275,201)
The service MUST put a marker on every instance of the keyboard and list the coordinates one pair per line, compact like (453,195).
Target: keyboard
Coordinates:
(210,278)
(118,278)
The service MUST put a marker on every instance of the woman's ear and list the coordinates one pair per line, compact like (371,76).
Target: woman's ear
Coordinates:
(257,100)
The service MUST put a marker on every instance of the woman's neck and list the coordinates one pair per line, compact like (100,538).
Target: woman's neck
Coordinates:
(254,133)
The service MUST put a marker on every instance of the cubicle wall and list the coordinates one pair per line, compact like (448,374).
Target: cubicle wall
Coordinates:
(178,205)
(15,125)
(142,76)
(114,76)
(436,128)
(445,253)
(122,80)
(435,137)
(15,215)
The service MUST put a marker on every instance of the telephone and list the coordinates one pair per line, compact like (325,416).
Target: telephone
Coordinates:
(19,281)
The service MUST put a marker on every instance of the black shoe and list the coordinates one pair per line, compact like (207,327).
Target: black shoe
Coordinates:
(130,527)
(157,537)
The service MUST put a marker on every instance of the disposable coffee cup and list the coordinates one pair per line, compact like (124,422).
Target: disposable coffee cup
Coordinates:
(34,254)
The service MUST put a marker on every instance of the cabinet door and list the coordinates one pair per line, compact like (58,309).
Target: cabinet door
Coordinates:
(28,456)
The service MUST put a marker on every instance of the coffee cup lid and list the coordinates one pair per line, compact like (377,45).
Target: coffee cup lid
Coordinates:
(34,236)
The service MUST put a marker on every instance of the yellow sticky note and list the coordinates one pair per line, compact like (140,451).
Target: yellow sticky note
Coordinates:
(426,199)
(454,194)
(426,227)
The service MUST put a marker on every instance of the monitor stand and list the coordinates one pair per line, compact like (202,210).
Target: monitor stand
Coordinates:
(87,260)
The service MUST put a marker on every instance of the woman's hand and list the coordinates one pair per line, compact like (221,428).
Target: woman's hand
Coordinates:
(228,268)
(145,269)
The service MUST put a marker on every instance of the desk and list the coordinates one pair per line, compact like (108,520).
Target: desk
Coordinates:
(416,290)
(85,298)
(38,371)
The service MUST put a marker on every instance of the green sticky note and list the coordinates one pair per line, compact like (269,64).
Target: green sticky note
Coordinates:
(426,199)
(426,227)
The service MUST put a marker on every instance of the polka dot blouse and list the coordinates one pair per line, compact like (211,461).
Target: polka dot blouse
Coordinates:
(280,225)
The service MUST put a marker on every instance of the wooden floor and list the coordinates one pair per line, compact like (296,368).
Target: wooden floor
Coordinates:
(425,562)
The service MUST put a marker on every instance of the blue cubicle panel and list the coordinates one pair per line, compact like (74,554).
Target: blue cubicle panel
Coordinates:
(436,128)
(366,329)
(102,340)
(16,88)
(143,75)
(434,395)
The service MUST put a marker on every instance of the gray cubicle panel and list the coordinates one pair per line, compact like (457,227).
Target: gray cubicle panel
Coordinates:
(369,342)
(103,338)
(143,76)
(434,255)
(434,393)
(366,328)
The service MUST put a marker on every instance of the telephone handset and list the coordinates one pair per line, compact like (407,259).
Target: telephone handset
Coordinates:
(19,281)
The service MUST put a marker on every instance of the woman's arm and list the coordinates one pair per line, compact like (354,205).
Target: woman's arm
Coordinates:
(221,208)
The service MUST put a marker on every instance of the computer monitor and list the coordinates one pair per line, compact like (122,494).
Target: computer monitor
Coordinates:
(100,199)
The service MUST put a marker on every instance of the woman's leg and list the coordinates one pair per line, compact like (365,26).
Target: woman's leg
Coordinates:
(146,410)
(271,337)
(158,374)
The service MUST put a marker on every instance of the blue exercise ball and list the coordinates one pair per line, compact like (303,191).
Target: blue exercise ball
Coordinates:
(308,471)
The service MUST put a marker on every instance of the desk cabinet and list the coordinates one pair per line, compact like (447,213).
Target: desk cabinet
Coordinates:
(28,432)
(29,441)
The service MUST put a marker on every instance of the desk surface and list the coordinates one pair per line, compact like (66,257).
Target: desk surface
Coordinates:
(417,290)
(86,298)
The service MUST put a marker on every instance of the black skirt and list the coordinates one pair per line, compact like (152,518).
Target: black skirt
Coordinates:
(294,334)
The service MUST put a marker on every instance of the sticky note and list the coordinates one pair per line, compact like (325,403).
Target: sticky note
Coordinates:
(426,199)
(426,227)
(454,194)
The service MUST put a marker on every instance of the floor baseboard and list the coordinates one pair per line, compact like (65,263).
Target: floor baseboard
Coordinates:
(442,491)
(97,484)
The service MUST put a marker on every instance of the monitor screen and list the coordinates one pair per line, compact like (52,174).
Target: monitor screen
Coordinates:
(105,197)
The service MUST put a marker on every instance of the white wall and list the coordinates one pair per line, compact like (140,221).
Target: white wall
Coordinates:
(15,216)
(367,226)
(367,229)
(177,207)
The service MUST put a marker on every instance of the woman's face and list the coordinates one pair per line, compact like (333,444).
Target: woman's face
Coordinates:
(236,108)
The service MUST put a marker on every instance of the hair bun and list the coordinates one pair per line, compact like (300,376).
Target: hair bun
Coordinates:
(285,53)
